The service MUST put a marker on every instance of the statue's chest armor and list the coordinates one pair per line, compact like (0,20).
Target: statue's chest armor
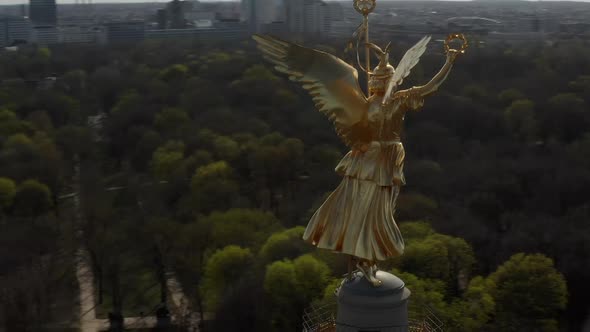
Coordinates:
(385,123)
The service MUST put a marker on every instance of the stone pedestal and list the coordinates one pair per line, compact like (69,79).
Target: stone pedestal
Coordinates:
(365,308)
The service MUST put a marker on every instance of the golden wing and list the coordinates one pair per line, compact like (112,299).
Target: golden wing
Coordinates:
(409,60)
(332,83)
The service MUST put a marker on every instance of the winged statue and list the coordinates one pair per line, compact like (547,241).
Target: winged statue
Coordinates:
(357,218)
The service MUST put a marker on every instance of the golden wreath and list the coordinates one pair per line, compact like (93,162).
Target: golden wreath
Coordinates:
(456,36)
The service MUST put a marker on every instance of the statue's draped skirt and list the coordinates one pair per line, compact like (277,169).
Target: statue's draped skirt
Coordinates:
(357,218)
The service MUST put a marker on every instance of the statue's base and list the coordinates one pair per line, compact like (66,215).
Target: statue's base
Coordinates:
(363,307)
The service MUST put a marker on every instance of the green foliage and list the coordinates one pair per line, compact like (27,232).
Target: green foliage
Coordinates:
(437,256)
(312,277)
(32,199)
(529,293)
(223,270)
(280,282)
(172,121)
(174,73)
(226,148)
(292,285)
(11,125)
(19,141)
(7,192)
(213,187)
(520,118)
(476,307)
(427,259)
(44,52)
(287,244)
(567,118)
(242,227)
(258,73)
(425,292)
(74,140)
(167,159)
(416,230)
(412,206)
(329,291)
(508,96)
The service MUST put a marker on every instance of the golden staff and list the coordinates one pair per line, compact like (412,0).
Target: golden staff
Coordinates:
(365,7)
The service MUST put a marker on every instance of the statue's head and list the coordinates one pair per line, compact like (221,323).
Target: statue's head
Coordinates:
(383,72)
(379,78)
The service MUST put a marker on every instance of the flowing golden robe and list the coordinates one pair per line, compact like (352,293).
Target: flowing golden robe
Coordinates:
(357,218)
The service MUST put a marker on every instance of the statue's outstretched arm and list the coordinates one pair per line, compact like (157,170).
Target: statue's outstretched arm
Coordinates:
(431,87)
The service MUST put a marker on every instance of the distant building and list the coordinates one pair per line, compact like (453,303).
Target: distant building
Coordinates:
(43,12)
(162,19)
(228,11)
(575,28)
(309,16)
(341,30)
(125,32)
(73,34)
(174,15)
(175,11)
(196,19)
(44,35)
(276,29)
(14,30)
(259,12)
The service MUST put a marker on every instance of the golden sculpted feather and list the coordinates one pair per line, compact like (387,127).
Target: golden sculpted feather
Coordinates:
(357,218)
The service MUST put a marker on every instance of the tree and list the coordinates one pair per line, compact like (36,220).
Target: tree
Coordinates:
(106,84)
(292,286)
(280,282)
(172,122)
(167,160)
(242,227)
(312,277)
(174,73)
(61,108)
(7,193)
(213,187)
(41,121)
(529,293)
(415,231)
(438,256)
(567,118)
(163,234)
(475,308)
(520,118)
(226,148)
(190,256)
(74,82)
(287,244)
(412,206)
(11,125)
(32,199)
(506,97)
(425,293)
(74,140)
(144,150)
(223,270)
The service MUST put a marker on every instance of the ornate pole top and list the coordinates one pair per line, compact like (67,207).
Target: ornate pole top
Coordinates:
(364,7)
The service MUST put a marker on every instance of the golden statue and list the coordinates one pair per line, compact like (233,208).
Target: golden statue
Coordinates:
(357,218)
